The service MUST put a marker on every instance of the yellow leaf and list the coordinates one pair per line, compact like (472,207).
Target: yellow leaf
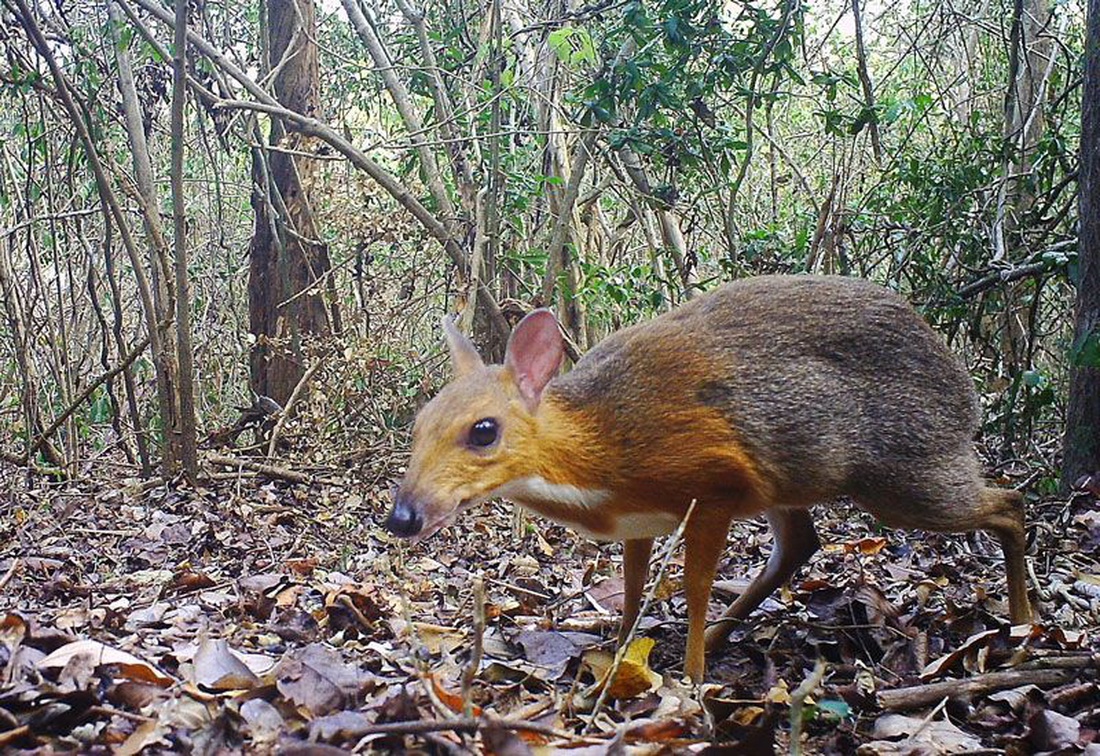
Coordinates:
(779,693)
(747,715)
(633,677)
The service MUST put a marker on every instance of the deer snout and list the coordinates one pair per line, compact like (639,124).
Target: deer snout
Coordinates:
(405,519)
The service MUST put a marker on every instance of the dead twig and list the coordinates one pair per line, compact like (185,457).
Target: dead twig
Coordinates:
(919,696)
(464,725)
(798,702)
(620,653)
(271,471)
(470,672)
(9,574)
(289,408)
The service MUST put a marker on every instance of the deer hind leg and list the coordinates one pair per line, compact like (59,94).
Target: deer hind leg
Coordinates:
(794,542)
(1002,514)
(951,497)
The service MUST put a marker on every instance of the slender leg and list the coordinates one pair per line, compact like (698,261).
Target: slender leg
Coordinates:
(635,570)
(705,540)
(1004,517)
(794,542)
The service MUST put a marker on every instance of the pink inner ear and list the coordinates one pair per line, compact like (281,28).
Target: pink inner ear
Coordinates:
(534,353)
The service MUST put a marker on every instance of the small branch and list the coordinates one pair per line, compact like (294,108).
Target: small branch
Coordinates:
(1035,267)
(87,392)
(299,388)
(865,83)
(556,258)
(798,702)
(271,471)
(919,696)
(620,653)
(470,672)
(9,574)
(466,725)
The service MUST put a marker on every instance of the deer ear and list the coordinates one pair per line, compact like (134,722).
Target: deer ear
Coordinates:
(534,354)
(464,354)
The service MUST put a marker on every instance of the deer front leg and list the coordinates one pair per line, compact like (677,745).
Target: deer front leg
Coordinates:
(705,541)
(635,570)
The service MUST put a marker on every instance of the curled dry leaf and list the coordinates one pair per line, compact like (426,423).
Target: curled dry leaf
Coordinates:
(452,701)
(144,735)
(972,645)
(216,668)
(866,546)
(129,666)
(899,735)
(633,677)
(187,581)
(1061,637)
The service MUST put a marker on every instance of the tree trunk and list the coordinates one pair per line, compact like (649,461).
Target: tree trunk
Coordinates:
(1082,439)
(287,260)
(186,438)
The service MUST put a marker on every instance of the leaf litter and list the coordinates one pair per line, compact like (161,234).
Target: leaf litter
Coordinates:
(254,616)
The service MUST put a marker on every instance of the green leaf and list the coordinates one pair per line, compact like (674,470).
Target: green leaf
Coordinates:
(573,46)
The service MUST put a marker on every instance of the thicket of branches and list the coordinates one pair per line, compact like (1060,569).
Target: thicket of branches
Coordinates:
(607,159)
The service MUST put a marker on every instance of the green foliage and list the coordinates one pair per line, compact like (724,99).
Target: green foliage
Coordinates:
(672,99)
(573,46)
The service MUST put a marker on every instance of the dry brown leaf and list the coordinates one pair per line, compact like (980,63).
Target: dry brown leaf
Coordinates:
(972,645)
(900,735)
(655,730)
(217,668)
(145,734)
(437,638)
(130,667)
(452,701)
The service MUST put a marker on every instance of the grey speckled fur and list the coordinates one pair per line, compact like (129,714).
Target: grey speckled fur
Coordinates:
(836,386)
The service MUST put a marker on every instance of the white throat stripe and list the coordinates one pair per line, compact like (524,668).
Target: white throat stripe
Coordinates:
(536,488)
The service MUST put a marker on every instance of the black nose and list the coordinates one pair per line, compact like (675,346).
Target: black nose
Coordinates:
(404,520)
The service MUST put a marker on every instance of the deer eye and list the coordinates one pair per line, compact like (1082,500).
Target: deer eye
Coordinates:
(484,433)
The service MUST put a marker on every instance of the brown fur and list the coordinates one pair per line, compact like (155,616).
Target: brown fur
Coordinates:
(767,395)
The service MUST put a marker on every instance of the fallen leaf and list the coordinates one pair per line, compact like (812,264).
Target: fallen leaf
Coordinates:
(900,735)
(1051,731)
(439,639)
(452,701)
(318,679)
(263,719)
(217,668)
(129,666)
(546,647)
(971,645)
(145,734)
(633,677)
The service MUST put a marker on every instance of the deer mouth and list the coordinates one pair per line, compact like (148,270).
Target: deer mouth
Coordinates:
(445,520)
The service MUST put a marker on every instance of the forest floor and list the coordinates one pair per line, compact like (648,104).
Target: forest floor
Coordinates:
(253,614)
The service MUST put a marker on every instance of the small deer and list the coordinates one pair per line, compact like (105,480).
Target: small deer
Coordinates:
(765,396)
